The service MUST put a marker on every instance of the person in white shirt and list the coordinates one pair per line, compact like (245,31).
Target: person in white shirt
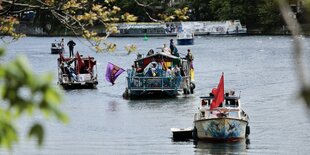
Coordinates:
(166,49)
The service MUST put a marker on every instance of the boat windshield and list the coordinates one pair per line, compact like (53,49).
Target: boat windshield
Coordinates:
(232,103)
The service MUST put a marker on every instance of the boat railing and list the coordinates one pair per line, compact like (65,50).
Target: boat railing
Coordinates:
(156,83)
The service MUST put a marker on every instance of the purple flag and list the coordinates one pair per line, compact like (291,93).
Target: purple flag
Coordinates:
(113,72)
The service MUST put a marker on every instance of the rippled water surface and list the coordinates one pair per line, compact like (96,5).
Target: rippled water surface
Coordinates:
(102,122)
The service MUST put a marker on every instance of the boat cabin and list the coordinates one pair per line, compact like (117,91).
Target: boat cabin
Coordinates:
(230,107)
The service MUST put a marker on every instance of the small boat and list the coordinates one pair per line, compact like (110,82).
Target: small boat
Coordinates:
(227,122)
(181,134)
(56,48)
(77,73)
(159,75)
(185,38)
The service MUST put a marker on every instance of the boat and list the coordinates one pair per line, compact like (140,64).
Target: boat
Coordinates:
(152,76)
(185,38)
(144,29)
(182,134)
(171,29)
(227,122)
(56,48)
(77,73)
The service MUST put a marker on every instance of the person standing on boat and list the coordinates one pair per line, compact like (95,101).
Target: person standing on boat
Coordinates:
(172,46)
(62,45)
(190,57)
(71,45)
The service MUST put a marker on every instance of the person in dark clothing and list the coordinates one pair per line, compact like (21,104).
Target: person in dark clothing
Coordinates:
(172,46)
(71,45)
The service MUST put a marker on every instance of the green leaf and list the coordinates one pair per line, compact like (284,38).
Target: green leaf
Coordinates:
(2,51)
(37,131)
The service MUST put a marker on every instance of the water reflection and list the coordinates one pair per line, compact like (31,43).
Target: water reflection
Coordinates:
(112,106)
(162,103)
(239,147)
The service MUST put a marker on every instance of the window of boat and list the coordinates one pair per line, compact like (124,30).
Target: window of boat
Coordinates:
(232,103)
(205,102)
(233,114)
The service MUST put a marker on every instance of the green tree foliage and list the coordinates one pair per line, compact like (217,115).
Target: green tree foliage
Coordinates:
(229,9)
(22,92)
(200,10)
(269,15)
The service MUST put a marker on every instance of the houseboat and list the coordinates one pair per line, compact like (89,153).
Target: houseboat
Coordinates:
(77,73)
(159,74)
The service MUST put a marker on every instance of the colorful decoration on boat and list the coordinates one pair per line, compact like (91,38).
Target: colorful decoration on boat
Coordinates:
(113,72)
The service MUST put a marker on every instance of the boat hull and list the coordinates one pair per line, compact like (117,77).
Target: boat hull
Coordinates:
(220,129)
(56,50)
(79,85)
(185,41)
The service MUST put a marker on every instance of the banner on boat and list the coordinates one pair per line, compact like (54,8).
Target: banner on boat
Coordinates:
(113,72)
(218,94)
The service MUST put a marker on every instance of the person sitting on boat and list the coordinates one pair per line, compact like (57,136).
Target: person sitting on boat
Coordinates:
(139,70)
(153,69)
(176,72)
(175,51)
(166,49)
(133,70)
(168,73)
(71,73)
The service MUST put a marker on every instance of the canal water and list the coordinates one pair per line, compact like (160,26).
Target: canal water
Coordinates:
(259,68)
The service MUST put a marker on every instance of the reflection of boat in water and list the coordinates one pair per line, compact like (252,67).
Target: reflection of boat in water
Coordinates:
(239,147)
(159,74)
(78,72)
(185,38)
(56,48)
(227,122)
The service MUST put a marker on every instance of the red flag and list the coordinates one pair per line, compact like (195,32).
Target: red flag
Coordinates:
(61,57)
(80,62)
(218,94)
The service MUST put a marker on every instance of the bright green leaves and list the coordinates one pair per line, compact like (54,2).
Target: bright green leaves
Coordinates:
(8,133)
(23,92)
(37,131)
